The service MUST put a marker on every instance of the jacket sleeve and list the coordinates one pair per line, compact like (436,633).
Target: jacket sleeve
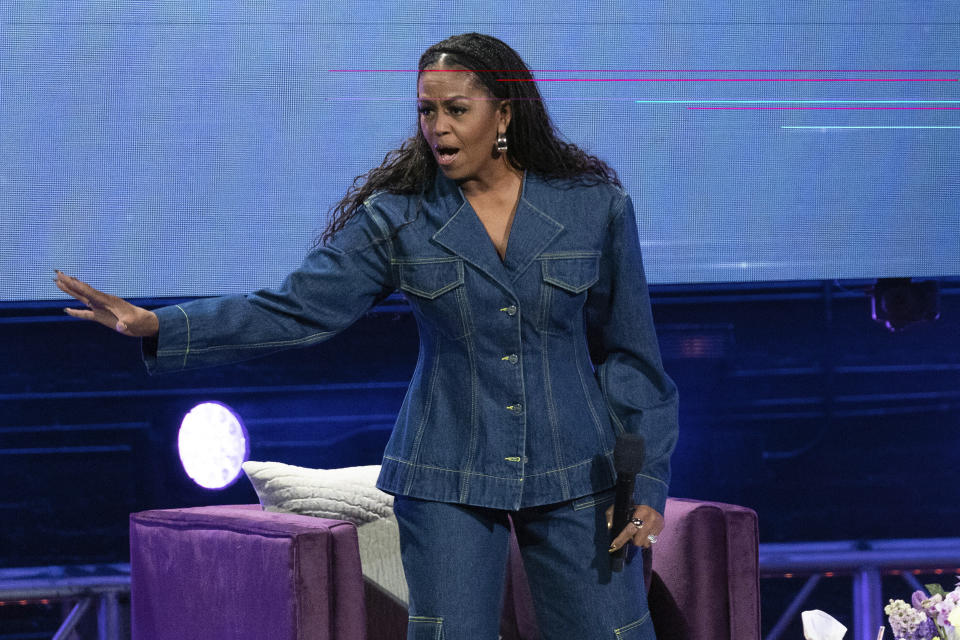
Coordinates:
(641,397)
(333,287)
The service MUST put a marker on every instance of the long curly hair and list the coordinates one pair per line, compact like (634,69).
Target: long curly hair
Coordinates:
(533,142)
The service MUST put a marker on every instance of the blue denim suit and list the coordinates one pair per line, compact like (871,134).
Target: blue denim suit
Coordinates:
(528,368)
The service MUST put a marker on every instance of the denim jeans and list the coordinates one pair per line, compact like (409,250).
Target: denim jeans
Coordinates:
(455,560)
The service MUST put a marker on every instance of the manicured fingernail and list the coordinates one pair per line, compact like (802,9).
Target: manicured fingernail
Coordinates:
(611,549)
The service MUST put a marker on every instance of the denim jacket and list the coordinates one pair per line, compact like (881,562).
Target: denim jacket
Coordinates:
(528,367)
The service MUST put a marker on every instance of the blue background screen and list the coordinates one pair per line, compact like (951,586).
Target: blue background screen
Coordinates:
(187,149)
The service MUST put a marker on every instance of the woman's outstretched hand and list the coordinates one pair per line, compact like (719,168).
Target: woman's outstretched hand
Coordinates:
(108,310)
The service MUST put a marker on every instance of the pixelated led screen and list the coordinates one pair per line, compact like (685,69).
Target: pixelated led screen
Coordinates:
(195,148)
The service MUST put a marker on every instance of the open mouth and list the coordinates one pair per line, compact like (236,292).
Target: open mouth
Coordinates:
(445,155)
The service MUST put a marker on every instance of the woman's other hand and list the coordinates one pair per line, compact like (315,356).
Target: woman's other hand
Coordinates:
(652,526)
(108,310)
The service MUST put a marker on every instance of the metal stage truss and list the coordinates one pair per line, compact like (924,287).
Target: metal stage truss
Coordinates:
(866,561)
(92,589)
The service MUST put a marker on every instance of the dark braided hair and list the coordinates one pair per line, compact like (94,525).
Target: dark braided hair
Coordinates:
(533,142)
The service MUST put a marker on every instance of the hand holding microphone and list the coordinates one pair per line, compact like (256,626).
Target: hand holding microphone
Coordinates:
(640,524)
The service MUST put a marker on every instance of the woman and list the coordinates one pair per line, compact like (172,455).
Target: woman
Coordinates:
(519,256)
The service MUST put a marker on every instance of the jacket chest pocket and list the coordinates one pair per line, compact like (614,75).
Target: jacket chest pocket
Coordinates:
(434,288)
(563,292)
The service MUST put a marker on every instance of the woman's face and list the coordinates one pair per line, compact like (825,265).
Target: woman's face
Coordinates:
(460,121)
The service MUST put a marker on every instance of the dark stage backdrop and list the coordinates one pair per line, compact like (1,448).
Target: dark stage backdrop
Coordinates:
(194,148)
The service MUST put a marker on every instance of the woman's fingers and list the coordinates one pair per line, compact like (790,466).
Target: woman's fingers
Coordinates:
(108,310)
(83,314)
(652,525)
(64,284)
(96,314)
(79,290)
(85,293)
(625,536)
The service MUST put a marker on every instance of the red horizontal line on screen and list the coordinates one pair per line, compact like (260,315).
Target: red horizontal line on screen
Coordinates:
(653,70)
(415,98)
(821,108)
(727,80)
(601,99)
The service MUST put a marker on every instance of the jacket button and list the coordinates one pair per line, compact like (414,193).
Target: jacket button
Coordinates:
(512,358)
(511,310)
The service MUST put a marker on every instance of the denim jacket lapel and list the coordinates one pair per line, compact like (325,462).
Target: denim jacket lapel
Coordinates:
(531,232)
(465,235)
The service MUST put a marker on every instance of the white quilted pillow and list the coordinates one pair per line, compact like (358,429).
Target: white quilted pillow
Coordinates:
(342,494)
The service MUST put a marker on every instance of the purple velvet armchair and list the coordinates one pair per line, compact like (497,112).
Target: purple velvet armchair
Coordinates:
(242,573)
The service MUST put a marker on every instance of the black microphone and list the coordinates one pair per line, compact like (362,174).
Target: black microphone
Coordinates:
(627,460)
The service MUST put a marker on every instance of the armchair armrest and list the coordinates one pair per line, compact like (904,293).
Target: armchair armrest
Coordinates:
(707,563)
(239,572)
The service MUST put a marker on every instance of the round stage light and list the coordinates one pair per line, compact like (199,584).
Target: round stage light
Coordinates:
(213,444)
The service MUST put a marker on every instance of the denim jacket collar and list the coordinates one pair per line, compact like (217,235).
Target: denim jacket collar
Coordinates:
(531,233)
